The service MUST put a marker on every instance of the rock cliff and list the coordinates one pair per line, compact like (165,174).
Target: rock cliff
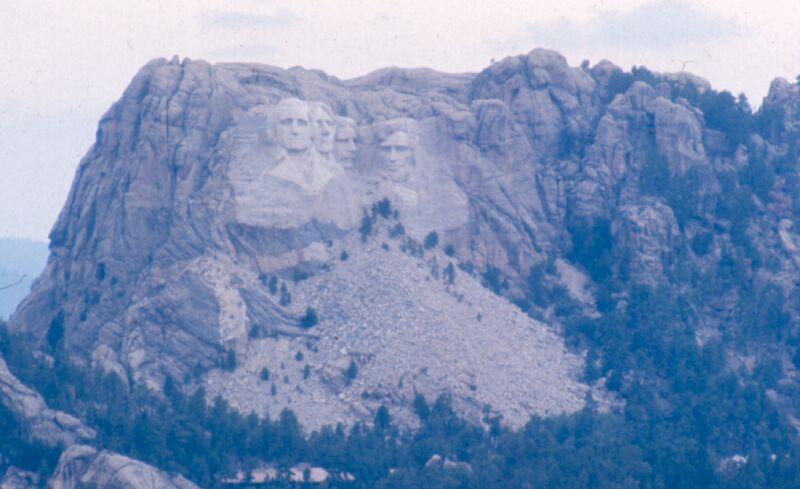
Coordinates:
(206,182)
(341,235)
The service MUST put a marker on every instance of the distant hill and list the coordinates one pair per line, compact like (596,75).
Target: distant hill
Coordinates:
(19,258)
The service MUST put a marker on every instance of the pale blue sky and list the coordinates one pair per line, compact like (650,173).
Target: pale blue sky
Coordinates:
(661,25)
(65,62)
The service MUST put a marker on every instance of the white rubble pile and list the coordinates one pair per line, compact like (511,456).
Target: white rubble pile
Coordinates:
(458,338)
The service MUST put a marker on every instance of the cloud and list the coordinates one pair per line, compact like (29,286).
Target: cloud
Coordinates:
(243,52)
(248,20)
(658,25)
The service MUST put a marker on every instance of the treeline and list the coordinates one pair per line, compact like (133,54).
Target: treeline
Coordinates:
(645,447)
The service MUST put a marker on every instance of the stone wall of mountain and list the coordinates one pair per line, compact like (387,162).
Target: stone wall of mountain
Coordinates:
(162,258)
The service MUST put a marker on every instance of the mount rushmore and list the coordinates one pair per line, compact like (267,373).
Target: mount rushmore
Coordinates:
(233,219)
(296,162)
(532,240)
(215,212)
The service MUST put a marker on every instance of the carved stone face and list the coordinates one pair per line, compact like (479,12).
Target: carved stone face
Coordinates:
(397,155)
(344,147)
(293,125)
(324,129)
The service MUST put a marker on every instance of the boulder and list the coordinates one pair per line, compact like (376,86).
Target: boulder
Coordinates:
(83,466)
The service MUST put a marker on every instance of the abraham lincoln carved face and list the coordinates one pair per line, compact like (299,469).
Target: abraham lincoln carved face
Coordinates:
(397,156)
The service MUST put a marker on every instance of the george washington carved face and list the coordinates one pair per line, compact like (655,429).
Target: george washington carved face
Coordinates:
(293,125)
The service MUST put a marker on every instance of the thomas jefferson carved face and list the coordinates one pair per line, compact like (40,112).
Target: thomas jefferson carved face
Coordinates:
(293,125)
(397,155)
(324,128)
(344,147)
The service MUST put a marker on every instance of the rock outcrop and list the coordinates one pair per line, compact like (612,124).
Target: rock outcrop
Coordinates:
(15,478)
(783,105)
(647,234)
(42,424)
(83,466)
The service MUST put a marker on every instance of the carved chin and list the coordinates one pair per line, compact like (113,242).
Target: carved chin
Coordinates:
(398,177)
(296,146)
(345,158)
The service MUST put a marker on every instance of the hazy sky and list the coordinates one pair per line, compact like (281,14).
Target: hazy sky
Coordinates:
(65,62)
